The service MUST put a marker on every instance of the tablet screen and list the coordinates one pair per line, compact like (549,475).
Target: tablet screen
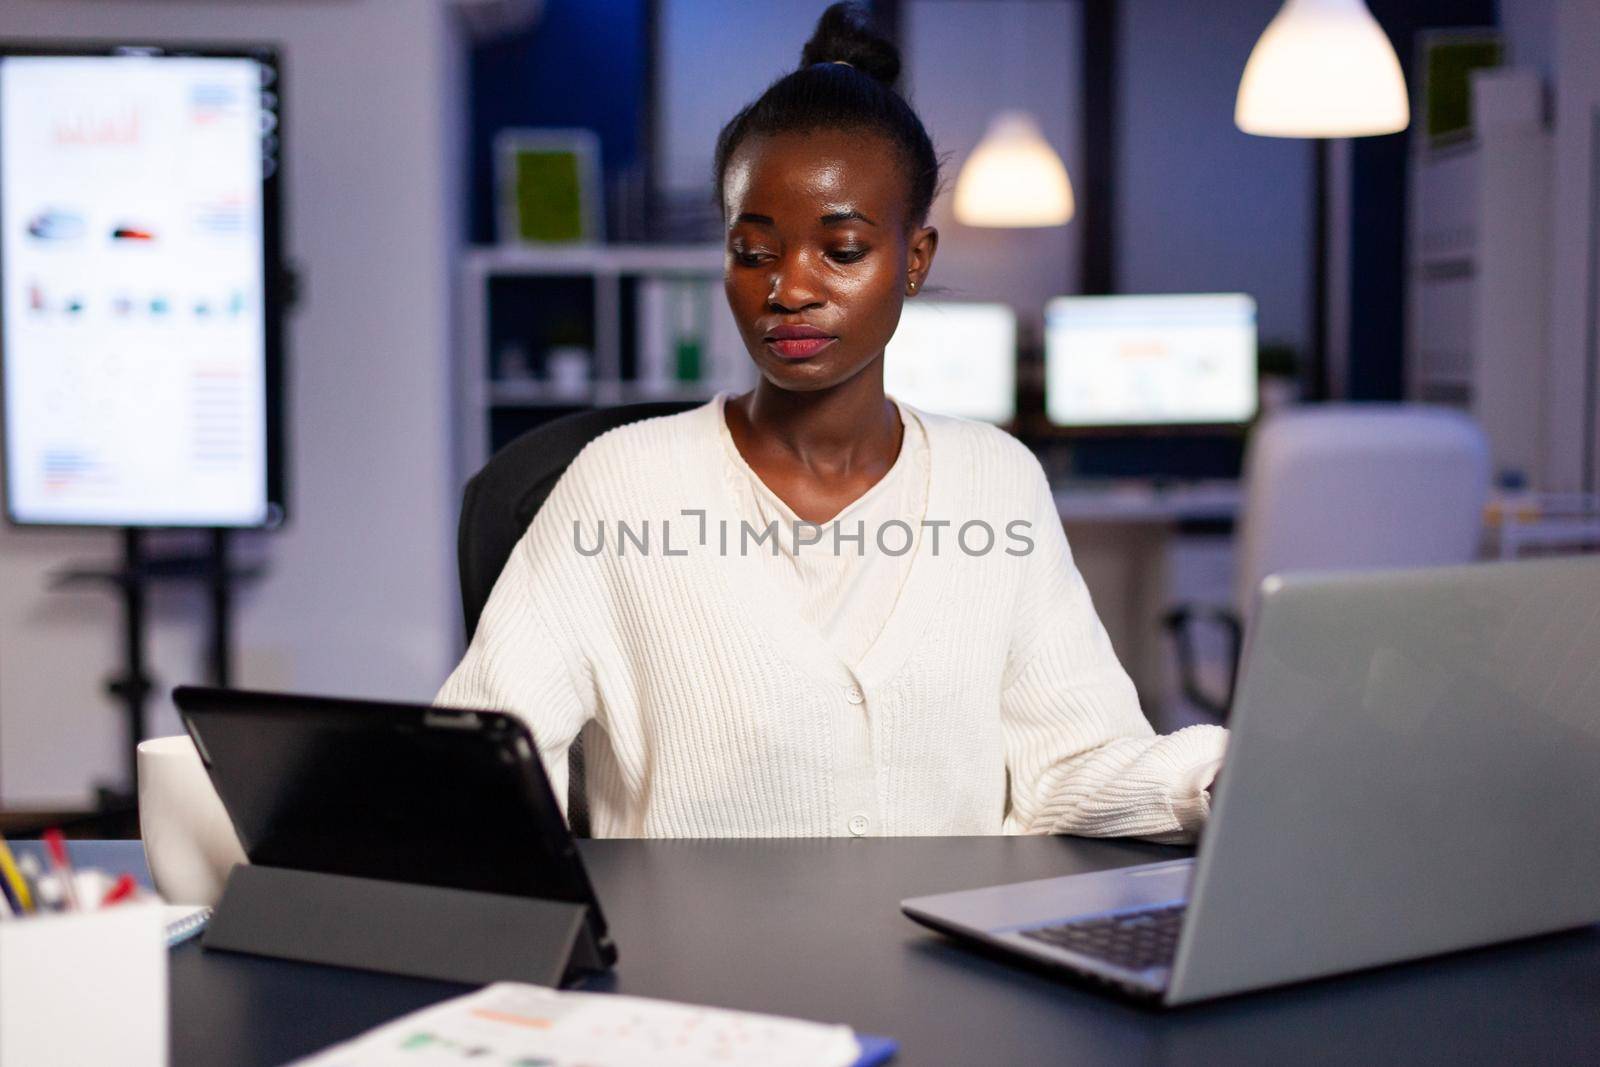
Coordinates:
(430,796)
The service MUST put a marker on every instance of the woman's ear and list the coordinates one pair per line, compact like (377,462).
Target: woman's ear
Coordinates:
(919,257)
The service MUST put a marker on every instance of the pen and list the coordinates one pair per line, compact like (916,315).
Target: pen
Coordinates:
(13,878)
(47,888)
(63,865)
(32,875)
(124,889)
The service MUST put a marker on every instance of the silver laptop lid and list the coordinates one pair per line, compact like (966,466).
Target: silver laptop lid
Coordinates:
(1414,767)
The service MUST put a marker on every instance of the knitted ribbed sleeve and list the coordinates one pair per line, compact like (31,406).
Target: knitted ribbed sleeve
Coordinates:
(1082,756)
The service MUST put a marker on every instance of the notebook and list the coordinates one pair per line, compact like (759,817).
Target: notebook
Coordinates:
(183,922)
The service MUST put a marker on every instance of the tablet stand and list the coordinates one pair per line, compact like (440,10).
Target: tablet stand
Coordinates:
(456,935)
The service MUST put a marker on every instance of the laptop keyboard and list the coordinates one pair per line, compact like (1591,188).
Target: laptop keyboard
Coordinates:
(1135,940)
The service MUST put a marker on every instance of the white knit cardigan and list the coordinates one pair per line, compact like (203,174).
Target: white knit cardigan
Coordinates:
(991,702)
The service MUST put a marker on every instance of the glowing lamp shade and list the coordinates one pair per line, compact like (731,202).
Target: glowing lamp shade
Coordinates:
(1013,178)
(1322,68)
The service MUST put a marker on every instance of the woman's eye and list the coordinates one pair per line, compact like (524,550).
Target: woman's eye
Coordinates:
(746,258)
(848,255)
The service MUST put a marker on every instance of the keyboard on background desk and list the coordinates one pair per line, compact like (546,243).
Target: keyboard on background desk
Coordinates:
(1145,501)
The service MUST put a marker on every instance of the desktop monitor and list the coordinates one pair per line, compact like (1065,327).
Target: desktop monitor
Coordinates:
(1187,360)
(140,333)
(955,359)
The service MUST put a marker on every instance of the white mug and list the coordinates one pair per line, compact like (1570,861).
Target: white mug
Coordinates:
(188,840)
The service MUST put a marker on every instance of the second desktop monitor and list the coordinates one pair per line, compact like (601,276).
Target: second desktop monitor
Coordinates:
(1186,360)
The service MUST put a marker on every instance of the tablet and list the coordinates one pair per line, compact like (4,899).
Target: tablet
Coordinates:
(399,792)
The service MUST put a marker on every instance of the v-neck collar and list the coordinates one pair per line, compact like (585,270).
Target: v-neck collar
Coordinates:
(749,584)
(902,460)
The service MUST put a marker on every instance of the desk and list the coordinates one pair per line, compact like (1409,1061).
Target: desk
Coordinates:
(1121,537)
(812,928)
(1543,523)
(1128,502)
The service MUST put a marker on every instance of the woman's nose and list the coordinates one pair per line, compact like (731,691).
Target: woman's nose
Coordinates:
(793,287)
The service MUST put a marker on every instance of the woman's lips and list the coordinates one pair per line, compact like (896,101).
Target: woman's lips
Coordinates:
(799,347)
(797,340)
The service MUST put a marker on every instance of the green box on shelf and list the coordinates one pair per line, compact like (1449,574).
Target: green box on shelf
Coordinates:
(548,184)
(1450,57)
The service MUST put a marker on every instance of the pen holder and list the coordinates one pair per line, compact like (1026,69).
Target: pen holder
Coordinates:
(84,988)
(456,935)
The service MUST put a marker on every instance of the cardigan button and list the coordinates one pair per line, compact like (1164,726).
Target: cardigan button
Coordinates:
(858,824)
(854,694)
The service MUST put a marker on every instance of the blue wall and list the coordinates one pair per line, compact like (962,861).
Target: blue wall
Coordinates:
(585,63)
(1201,206)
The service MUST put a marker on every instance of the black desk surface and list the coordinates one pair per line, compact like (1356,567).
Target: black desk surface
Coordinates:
(812,928)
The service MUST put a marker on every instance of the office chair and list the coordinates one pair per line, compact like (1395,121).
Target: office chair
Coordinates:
(1344,486)
(502,499)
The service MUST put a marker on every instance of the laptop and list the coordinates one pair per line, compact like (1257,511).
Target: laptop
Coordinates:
(1413,769)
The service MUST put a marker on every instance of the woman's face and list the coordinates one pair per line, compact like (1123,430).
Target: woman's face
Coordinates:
(820,253)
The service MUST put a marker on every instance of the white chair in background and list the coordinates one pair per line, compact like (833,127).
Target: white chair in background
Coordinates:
(1343,486)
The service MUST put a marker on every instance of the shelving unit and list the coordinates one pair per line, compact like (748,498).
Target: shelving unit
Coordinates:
(1479,254)
(603,301)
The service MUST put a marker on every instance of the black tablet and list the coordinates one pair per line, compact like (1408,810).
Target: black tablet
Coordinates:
(399,792)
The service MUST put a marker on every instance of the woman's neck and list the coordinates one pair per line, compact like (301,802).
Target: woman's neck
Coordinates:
(846,430)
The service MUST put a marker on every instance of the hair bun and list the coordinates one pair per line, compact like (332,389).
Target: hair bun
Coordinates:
(844,34)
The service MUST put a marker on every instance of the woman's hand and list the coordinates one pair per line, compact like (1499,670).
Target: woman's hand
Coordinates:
(1203,778)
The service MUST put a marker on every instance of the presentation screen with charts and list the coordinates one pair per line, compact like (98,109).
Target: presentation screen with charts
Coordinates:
(139,321)
(1150,360)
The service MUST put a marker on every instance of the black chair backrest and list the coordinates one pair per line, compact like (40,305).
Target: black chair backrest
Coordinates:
(502,499)
(499,503)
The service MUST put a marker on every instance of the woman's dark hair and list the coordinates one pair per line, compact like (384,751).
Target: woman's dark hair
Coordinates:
(845,82)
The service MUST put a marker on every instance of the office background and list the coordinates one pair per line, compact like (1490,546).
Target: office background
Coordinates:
(392,109)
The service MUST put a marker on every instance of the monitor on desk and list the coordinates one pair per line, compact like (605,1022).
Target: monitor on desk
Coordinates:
(1142,361)
(955,359)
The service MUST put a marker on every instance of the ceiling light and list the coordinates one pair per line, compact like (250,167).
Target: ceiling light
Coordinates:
(1013,178)
(1322,68)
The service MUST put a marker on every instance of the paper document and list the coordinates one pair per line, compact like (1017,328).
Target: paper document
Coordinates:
(513,1025)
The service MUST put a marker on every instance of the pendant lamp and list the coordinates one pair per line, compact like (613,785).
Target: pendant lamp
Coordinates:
(1013,178)
(1322,68)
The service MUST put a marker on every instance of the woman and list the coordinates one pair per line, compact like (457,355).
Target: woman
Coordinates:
(811,610)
